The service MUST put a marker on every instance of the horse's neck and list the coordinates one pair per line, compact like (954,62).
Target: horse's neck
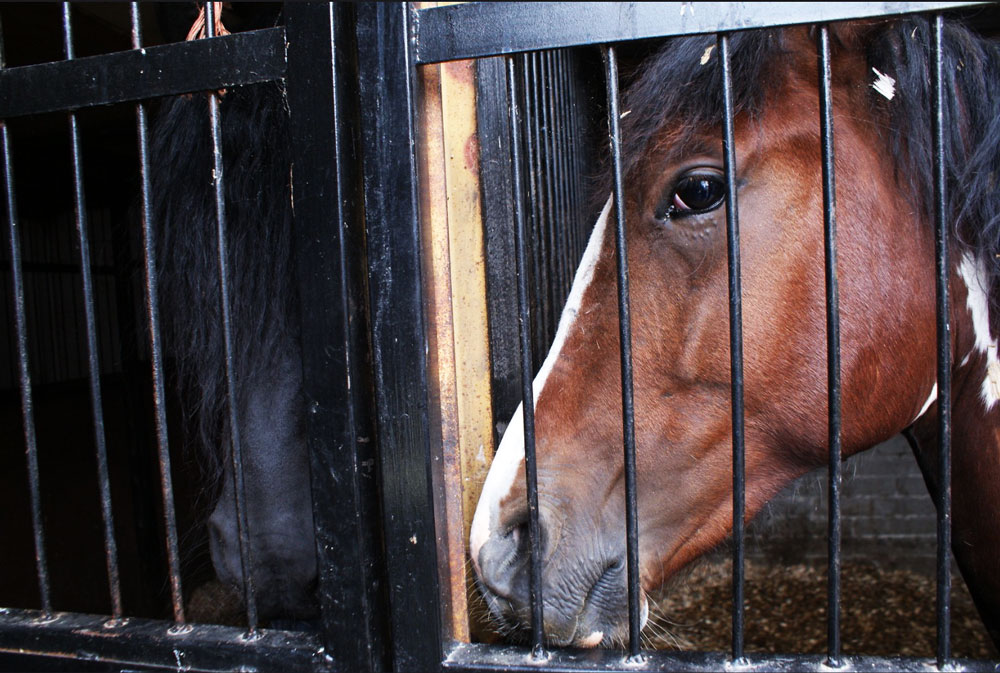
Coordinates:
(975,454)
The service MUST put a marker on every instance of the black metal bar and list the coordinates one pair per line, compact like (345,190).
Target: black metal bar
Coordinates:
(90,321)
(165,70)
(625,337)
(527,394)
(60,267)
(155,345)
(558,175)
(491,29)
(144,644)
(943,353)
(735,345)
(558,186)
(399,339)
(535,227)
(235,440)
(576,135)
(832,348)
(492,127)
(564,180)
(480,657)
(24,375)
(337,387)
(547,173)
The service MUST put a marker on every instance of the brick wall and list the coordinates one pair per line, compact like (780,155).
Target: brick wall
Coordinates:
(886,513)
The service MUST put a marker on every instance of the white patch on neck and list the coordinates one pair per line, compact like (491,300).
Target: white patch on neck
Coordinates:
(884,84)
(510,454)
(974,275)
(927,405)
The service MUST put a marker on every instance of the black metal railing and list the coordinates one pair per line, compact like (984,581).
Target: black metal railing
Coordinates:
(313,54)
(156,342)
(350,75)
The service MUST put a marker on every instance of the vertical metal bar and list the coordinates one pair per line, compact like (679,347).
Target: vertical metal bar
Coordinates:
(386,78)
(568,223)
(155,346)
(23,369)
(540,237)
(832,349)
(527,394)
(328,227)
(943,354)
(80,207)
(570,135)
(576,132)
(547,175)
(559,173)
(562,180)
(536,227)
(625,336)
(546,85)
(236,446)
(735,344)
(492,113)
(531,226)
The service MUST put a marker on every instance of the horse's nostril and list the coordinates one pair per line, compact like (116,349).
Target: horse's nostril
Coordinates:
(502,559)
(607,588)
(521,538)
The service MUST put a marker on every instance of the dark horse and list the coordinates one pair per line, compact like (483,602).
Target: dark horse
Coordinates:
(674,203)
(264,311)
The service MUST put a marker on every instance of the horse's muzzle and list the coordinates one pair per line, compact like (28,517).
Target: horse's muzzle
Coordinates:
(584,595)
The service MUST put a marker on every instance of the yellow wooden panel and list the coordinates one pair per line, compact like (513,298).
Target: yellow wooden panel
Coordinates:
(454,269)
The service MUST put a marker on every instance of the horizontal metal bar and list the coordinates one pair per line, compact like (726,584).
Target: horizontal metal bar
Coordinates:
(165,70)
(58,267)
(478,657)
(474,30)
(148,643)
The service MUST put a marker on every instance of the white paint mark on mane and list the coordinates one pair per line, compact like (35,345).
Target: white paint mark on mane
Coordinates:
(978,302)
(707,55)
(510,454)
(884,84)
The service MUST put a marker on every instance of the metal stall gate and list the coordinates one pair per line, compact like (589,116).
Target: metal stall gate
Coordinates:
(312,57)
(396,197)
(433,35)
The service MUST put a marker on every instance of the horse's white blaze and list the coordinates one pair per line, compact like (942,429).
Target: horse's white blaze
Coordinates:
(977,301)
(509,456)
(499,479)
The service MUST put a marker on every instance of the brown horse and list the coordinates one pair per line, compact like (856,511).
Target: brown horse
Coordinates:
(674,202)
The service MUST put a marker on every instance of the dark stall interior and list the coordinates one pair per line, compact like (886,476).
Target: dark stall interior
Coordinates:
(57,351)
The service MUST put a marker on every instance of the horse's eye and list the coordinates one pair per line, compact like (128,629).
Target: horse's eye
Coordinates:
(698,194)
(693,194)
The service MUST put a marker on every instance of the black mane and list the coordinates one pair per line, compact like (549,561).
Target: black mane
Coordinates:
(674,84)
(971,128)
(258,219)
(683,81)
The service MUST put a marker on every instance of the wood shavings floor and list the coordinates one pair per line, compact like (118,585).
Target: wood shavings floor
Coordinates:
(883,612)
